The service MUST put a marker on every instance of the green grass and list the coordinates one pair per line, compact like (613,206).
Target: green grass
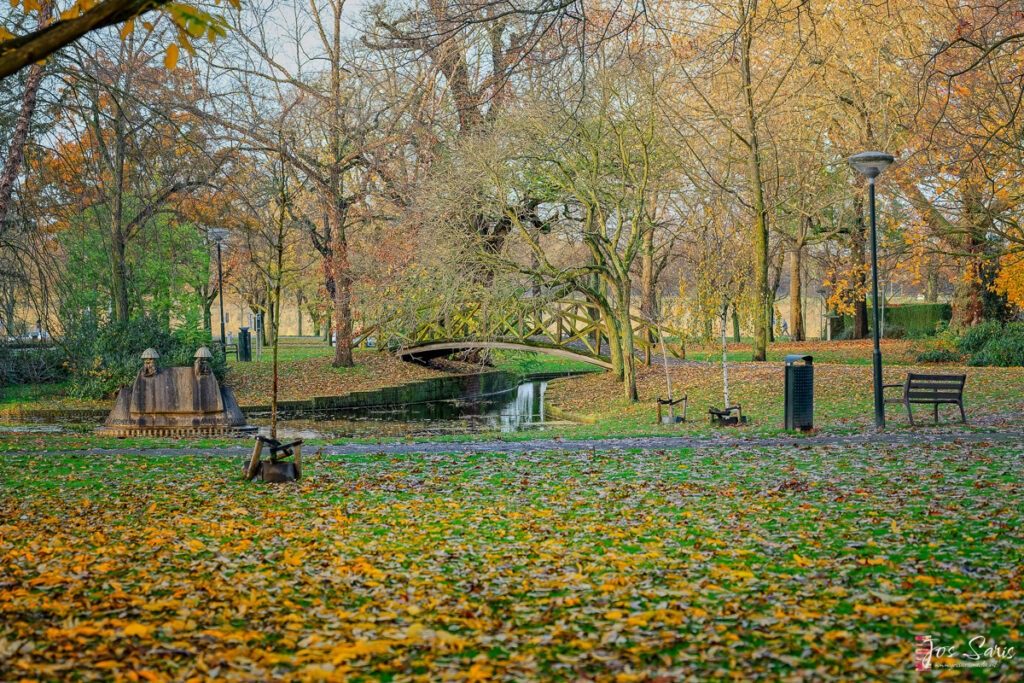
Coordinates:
(843,400)
(292,348)
(82,438)
(748,563)
(528,363)
(13,397)
(746,356)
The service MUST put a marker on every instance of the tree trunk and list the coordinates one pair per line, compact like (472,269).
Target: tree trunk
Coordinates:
(968,293)
(207,314)
(614,345)
(796,293)
(773,290)
(343,320)
(859,267)
(341,277)
(16,150)
(275,336)
(119,277)
(648,289)
(969,288)
(931,292)
(755,181)
(118,238)
(725,359)
(595,314)
(736,325)
(624,324)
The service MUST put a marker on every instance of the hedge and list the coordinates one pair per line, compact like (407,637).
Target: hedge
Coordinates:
(910,320)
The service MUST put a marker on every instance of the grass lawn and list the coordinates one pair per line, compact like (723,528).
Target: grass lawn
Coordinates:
(993,398)
(853,352)
(801,564)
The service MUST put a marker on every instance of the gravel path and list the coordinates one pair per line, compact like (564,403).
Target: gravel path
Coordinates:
(607,444)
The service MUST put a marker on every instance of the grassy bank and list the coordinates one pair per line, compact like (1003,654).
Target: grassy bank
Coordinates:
(843,398)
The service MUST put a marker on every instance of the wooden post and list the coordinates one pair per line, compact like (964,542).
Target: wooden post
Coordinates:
(250,471)
(298,461)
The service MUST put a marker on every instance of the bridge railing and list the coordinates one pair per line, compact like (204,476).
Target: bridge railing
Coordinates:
(564,323)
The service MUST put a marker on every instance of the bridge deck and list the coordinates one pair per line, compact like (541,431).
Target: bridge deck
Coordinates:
(430,350)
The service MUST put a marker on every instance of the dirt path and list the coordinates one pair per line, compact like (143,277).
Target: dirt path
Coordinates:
(606,444)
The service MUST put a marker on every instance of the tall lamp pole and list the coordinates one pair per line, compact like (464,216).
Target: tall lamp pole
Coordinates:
(219,235)
(871,165)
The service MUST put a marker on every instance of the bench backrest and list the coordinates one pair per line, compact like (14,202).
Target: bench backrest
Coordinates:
(934,387)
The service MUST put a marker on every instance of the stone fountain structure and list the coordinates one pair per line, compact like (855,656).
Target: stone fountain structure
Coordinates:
(175,402)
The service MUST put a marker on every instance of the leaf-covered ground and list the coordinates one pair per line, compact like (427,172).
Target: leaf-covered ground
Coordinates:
(303,378)
(853,351)
(843,398)
(798,564)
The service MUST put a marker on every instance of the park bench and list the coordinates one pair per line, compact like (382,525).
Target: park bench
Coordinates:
(231,349)
(931,389)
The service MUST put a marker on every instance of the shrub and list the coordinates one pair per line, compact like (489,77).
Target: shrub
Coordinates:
(103,358)
(939,355)
(1004,349)
(911,321)
(917,320)
(975,338)
(895,332)
(844,334)
(25,364)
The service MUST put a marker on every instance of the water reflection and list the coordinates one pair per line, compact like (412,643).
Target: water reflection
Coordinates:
(520,408)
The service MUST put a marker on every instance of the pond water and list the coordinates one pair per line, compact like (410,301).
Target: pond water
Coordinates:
(520,407)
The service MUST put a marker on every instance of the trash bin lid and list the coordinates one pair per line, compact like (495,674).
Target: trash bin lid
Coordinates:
(794,357)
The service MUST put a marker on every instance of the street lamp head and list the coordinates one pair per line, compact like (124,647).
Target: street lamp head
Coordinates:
(871,164)
(218,234)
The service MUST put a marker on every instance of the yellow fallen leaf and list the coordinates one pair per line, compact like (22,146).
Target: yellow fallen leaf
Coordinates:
(802,561)
(137,630)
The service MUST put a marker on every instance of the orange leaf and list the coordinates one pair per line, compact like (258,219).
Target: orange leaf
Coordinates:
(171,60)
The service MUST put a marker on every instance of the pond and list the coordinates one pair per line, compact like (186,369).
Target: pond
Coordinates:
(519,407)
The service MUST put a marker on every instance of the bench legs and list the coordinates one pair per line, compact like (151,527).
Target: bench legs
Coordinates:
(960,405)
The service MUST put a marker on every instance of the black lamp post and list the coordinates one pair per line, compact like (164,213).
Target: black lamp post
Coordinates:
(219,235)
(871,165)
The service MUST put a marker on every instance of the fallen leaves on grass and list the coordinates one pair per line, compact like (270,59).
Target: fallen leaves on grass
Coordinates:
(818,563)
(843,397)
(304,378)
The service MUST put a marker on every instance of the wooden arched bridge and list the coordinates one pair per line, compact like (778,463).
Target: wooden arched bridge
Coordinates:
(567,328)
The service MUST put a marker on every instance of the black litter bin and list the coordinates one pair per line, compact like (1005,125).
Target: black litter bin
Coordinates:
(244,345)
(799,392)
